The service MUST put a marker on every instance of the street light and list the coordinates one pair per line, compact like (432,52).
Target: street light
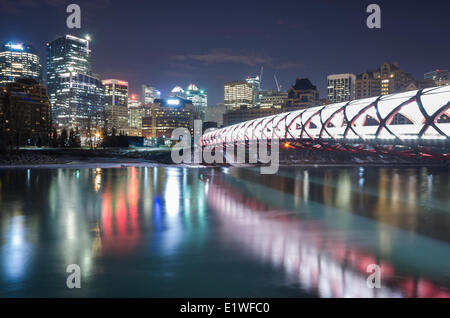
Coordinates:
(97,136)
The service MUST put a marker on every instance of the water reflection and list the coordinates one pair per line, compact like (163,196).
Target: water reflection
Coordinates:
(172,231)
(16,253)
(320,259)
(411,199)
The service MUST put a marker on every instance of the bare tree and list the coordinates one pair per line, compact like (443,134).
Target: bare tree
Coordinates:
(15,116)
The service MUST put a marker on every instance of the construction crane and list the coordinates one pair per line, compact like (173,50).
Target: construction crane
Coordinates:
(276,82)
(260,75)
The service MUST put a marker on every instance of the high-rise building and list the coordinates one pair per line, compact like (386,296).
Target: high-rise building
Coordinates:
(76,94)
(78,102)
(272,99)
(134,101)
(116,105)
(387,79)
(67,53)
(256,87)
(149,94)
(24,113)
(167,114)
(301,95)
(238,94)
(341,87)
(135,114)
(177,91)
(199,99)
(19,60)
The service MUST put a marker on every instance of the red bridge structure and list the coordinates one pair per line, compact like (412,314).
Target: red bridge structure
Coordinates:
(409,124)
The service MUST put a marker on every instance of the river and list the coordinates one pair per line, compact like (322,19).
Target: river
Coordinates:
(167,231)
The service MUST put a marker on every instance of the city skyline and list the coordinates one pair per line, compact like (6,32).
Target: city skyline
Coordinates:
(192,54)
(251,152)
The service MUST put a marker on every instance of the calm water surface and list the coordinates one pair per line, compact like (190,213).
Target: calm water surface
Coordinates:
(225,232)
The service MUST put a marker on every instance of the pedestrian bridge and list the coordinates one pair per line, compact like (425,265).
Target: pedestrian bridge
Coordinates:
(414,123)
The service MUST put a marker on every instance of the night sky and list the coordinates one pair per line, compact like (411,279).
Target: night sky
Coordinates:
(168,43)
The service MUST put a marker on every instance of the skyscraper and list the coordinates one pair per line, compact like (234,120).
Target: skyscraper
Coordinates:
(19,60)
(135,114)
(177,91)
(133,101)
(256,87)
(149,94)
(116,105)
(76,95)
(341,87)
(199,99)
(238,94)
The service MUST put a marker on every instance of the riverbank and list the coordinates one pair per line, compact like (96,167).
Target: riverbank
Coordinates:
(63,157)
(122,163)
(119,157)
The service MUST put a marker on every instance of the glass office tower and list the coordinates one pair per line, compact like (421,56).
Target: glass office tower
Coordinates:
(199,99)
(76,95)
(256,88)
(149,94)
(19,60)
(116,105)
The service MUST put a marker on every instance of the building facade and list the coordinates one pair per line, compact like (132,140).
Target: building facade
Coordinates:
(76,94)
(24,113)
(238,94)
(177,91)
(301,95)
(272,99)
(116,106)
(165,115)
(135,114)
(79,103)
(255,82)
(341,87)
(149,94)
(199,99)
(19,60)
(387,79)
